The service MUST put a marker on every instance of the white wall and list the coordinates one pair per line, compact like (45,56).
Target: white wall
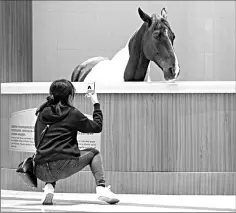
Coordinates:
(66,33)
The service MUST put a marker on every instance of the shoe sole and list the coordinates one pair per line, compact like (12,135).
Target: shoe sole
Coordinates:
(109,200)
(48,199)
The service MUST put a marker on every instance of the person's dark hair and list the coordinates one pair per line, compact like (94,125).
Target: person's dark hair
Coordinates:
(59,93)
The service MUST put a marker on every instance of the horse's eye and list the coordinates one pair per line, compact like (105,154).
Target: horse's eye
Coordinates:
(156,34)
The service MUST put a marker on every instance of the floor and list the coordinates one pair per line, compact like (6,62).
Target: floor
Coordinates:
(20,201)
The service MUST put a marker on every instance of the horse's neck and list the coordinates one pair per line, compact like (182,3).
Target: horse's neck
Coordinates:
(137,64)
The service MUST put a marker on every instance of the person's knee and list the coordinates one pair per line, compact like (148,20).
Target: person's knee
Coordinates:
(94,151)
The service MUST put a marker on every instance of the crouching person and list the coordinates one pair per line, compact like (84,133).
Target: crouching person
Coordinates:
(57,154)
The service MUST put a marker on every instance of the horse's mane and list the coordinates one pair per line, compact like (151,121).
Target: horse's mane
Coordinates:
(136,57)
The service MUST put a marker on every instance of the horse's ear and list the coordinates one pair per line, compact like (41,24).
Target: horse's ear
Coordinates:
(164,13)
(145,17)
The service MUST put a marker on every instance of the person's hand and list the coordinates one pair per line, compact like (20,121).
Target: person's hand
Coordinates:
(94,98)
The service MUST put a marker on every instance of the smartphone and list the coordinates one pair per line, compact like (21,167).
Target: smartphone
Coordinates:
(91,88)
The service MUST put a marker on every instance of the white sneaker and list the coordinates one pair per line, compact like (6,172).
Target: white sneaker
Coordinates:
(48,194)
(105,194)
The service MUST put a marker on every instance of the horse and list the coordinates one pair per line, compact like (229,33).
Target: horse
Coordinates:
(153,41)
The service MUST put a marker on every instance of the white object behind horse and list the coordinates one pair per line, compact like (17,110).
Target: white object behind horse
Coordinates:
(110,71)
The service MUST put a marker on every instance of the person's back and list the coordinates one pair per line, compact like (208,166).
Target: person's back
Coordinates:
(57,153)
(60,141)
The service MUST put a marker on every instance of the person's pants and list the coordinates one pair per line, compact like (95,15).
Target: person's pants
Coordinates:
(53,171)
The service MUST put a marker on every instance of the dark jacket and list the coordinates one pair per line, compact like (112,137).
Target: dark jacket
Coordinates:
(59,141)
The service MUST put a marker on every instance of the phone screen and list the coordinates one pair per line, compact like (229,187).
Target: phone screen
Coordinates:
(91,88)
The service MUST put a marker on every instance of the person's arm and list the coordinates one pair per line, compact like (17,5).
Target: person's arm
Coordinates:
(38,130)
(85,125)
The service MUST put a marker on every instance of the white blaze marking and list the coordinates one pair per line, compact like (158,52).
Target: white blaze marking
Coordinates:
(176,60)
(176,65)
(148,77)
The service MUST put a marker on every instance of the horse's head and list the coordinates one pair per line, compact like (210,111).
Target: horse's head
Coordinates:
(158,43)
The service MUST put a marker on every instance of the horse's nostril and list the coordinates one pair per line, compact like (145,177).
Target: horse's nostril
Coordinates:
(172,70)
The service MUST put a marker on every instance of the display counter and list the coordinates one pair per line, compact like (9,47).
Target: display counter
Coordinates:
(158,138)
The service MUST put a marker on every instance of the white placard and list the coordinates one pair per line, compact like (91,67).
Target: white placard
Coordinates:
(89,140)
(22,130)
(21,133)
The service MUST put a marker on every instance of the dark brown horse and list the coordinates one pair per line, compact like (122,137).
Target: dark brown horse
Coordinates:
(153,41)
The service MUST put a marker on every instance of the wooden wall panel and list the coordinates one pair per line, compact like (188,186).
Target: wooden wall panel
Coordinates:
(16,41)
(151,132)
(163,183)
